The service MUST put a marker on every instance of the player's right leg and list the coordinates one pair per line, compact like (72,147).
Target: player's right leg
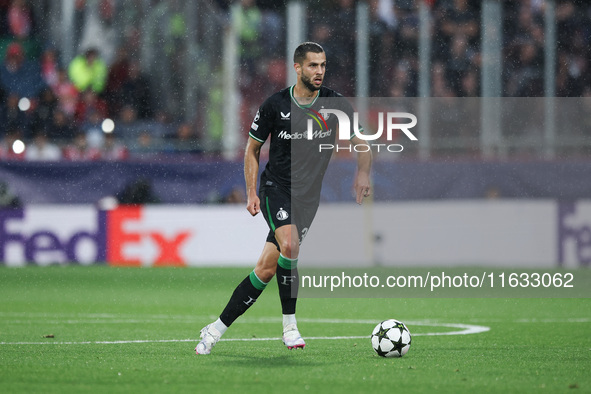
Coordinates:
(244,296)
(276,204)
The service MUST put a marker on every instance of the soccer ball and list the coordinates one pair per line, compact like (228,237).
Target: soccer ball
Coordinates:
(390,338)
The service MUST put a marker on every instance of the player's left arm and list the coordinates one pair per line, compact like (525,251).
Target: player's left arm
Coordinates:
(362,185)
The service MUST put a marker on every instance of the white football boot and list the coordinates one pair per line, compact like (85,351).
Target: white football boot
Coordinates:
(292,338)
(209,337)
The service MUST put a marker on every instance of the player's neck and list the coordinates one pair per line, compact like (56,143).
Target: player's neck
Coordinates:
(304,95)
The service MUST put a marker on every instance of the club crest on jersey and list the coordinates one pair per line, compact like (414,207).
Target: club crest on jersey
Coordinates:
(282,214)
(285,116)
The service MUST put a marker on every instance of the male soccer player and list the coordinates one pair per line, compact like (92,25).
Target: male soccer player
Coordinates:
(289,191)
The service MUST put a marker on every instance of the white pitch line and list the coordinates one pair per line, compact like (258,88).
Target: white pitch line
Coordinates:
(466,330)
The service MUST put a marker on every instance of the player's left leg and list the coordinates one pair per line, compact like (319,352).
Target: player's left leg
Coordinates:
(288,282)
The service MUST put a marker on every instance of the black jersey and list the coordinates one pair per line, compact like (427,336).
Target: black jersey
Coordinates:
(296,163)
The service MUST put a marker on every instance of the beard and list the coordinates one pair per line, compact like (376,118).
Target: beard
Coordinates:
(308,84)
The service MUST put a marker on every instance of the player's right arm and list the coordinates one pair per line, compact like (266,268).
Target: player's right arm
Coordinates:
(259,131)
(251,173)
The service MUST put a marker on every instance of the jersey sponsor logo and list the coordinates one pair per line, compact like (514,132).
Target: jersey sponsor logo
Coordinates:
(285,116)
(282,214)
(300,136)
(257,116)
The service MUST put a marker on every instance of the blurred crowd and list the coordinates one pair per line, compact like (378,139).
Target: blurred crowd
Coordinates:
(97,109)
(456,41)
(86,109)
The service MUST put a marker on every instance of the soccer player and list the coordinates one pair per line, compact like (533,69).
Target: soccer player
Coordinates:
(289,191)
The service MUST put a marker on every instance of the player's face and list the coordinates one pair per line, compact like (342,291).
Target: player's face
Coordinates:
(312,70)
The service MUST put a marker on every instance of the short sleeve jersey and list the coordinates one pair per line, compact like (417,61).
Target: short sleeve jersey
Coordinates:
(297,164)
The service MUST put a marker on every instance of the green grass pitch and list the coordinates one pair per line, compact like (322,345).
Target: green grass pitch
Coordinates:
(103,329)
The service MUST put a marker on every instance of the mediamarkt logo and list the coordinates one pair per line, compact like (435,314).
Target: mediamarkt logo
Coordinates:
(345,130)
(298,136)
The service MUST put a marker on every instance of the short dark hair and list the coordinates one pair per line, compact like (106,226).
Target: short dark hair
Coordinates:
(300,53)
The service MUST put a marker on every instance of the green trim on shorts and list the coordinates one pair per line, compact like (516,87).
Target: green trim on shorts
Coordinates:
(256,282)
(287,263)
(269,214)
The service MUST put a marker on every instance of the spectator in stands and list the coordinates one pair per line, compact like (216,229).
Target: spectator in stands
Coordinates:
(574,70)
(113,149)
(403,80)
(344,23)
(523,52)
(527,79)
(66,93)
(3,96)
(459,61)
(20,19)
(382,29)
(89,103)
(4,28)
(439,84)
(19,75)
(407,36)
(42,149)
(145,146)
(92,128)
(50,67)
(459,19)
(185,140)
(566,22)
(341,68)
(527,23)
(130,127)
(7,151)
(43,113)
(79,21)
(135,92)
(88,71)
(61,128)
(118,74)
(79,150)
(12,118)
(273,28)
(470,86)
(248,22)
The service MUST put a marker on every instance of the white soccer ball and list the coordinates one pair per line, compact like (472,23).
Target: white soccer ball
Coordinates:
(391,338)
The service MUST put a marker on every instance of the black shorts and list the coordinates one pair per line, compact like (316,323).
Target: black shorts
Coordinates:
(279,210)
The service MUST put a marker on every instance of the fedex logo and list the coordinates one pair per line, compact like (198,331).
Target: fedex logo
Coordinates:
(47,242)
(119,237)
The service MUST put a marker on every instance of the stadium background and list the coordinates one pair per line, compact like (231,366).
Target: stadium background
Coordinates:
(181,81)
